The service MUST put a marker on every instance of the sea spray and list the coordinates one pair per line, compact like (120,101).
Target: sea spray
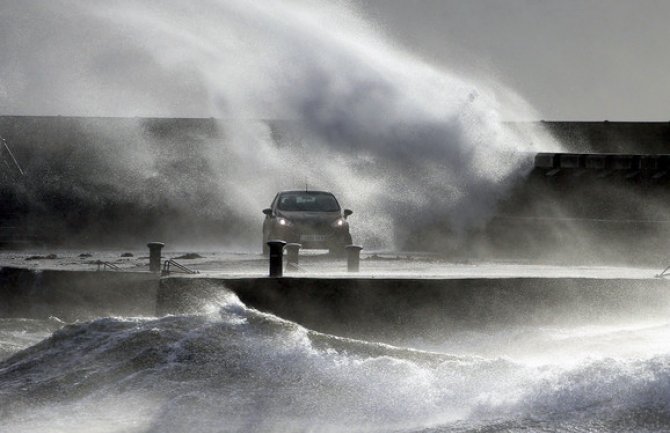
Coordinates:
(243,370)
(403,143)
(232,368)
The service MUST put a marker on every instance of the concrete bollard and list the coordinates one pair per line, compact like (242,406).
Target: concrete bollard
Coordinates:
(292,254)
(353,257)
(276,258)
(155,256)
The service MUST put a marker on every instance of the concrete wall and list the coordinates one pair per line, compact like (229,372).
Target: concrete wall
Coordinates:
(612,137)
(74,194)
(76,295)
(393,308)
(388,309)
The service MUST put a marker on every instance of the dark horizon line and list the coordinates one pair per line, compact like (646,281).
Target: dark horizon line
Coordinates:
(56,116)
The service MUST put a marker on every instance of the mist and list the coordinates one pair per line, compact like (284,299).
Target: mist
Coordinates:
(179,121)
(401,142)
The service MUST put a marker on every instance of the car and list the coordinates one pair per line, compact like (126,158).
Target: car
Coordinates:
(313,219)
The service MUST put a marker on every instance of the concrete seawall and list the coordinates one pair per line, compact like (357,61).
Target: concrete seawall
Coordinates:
(354,307)
(602,208)
(76,295)
(358,307)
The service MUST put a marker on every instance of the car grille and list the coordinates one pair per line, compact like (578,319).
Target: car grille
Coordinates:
(314,228)
(313,238)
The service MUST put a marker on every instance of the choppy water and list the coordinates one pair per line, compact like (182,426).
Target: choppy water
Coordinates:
(232,368)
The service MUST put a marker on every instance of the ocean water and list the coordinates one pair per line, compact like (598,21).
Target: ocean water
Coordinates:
(231,368)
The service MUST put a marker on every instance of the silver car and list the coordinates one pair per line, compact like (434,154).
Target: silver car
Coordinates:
(313,219)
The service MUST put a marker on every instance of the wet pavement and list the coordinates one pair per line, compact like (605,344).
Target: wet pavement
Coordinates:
(312,263)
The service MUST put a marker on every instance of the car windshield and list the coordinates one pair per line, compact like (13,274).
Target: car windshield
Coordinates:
(308,202)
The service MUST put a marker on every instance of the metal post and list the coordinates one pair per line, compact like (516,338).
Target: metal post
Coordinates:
(276,258)
(353,257)
(155,256)
(292,254)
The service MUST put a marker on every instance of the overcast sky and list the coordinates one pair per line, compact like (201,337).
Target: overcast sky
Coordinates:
(570,59)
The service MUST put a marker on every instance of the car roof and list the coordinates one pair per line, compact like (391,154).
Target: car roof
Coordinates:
(303,191)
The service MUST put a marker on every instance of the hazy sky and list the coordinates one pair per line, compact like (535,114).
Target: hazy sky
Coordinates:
(570,59)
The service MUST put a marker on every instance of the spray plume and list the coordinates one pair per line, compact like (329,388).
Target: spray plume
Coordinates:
(401,142)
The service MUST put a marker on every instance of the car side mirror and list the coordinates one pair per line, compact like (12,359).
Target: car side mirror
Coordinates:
(267,212)
(347,212)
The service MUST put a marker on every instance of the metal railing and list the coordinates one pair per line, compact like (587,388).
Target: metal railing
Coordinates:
(106,266)
(171,263)
(11,155)
(663,274)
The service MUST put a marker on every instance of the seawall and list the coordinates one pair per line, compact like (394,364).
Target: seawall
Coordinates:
(357,307)
(593,208)
(76,295)
(347,306)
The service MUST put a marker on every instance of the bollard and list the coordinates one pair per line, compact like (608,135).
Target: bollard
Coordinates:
(292,255)
(353,257)
(155,256)
(276,258)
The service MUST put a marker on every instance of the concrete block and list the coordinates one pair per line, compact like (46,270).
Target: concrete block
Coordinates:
(595,162)
(622,162)
(571,160)
(546,160)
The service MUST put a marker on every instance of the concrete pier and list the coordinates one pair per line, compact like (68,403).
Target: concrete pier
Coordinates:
(357,306)
(76,295)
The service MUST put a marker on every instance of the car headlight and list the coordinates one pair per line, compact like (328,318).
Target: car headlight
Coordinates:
(338,223)
(284,222)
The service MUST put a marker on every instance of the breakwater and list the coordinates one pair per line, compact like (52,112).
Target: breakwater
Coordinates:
(354,307)
(76,295)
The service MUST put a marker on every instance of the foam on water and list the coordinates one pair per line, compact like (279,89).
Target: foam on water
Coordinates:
(232,368)
(18,333)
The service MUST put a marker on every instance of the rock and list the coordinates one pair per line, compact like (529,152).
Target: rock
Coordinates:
(189,256)
(49,257)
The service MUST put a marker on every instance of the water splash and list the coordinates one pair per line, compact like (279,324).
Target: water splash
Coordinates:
(402,142)
(242,370)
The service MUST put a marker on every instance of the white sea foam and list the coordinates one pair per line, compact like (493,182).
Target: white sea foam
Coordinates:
(247,370)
